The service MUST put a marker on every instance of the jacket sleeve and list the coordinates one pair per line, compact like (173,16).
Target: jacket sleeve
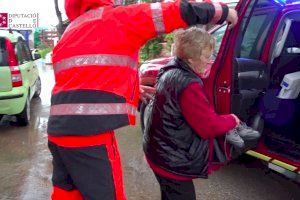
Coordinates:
(200,115)
(203,12)
(146,21)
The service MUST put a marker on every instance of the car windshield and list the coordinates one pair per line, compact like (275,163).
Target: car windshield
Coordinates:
(3,53)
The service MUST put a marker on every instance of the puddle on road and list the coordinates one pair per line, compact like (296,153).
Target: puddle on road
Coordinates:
(25,162)
(39,177)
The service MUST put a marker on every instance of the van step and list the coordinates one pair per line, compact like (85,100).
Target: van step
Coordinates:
(282,146)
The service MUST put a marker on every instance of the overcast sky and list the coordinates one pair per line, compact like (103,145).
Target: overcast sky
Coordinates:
(45,8)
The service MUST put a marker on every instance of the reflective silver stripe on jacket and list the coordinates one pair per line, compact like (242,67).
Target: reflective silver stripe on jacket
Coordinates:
(91,15)
(157,16)
(92,109)
(95,59)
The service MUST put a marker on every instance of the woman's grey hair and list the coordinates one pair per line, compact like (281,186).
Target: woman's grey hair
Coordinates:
(190,42)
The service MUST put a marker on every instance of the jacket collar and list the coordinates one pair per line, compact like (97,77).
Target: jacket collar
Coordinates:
(184,65)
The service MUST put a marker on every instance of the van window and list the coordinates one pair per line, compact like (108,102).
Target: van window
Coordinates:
(289,59)
(292,43)
(251,36)
(255,29)
(3,53)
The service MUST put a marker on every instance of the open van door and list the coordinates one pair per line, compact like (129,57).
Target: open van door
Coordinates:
(240,77)
(219,88)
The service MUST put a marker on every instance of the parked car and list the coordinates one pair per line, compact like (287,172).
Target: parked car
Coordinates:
(256,75)
(19,77)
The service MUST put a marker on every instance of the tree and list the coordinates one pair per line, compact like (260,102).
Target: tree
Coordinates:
(37,39)
(60,21)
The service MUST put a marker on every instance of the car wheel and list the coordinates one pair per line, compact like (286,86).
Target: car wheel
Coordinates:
(1,117)
(144,115)
(38,88)
(24,117)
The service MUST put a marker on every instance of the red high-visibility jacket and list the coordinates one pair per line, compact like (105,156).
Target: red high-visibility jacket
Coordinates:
(95,62)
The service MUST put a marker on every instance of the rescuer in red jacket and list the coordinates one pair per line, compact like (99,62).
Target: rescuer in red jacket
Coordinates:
(97,87)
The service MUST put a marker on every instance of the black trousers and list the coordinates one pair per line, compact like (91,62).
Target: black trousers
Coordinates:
(176,190)
(87,169)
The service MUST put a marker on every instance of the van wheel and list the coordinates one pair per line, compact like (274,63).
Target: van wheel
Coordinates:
(38,88)
(24,117)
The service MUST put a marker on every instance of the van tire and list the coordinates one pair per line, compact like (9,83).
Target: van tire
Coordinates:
(38,88)
(24,117)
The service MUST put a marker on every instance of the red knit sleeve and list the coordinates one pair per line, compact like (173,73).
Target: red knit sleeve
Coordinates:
(200,114)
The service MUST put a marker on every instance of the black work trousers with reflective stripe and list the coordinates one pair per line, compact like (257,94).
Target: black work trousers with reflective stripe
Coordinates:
(87,169)
(176,190)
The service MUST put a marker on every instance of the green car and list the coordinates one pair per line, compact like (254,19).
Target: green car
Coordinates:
(19,77)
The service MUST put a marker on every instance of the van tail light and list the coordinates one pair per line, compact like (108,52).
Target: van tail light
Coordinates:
(16,76)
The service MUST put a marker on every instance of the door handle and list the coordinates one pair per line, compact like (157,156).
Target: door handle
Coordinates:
(224,89)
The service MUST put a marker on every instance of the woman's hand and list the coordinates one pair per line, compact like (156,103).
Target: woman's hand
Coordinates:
(237,120)
(147,93)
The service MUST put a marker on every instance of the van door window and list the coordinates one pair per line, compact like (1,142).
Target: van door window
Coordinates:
(250,37)
(255,29)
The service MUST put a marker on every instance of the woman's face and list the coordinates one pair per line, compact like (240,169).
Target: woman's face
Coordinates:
(201,64)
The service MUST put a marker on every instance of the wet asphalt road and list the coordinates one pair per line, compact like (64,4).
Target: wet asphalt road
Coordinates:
(25,164)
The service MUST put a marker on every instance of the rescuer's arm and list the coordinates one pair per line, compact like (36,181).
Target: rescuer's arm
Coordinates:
(145,21)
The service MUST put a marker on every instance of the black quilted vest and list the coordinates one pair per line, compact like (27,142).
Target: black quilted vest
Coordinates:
(169,141)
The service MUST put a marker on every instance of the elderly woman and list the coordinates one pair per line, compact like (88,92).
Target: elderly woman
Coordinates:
(182,119)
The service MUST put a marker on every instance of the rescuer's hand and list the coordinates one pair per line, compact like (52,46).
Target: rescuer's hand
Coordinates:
(232,17)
